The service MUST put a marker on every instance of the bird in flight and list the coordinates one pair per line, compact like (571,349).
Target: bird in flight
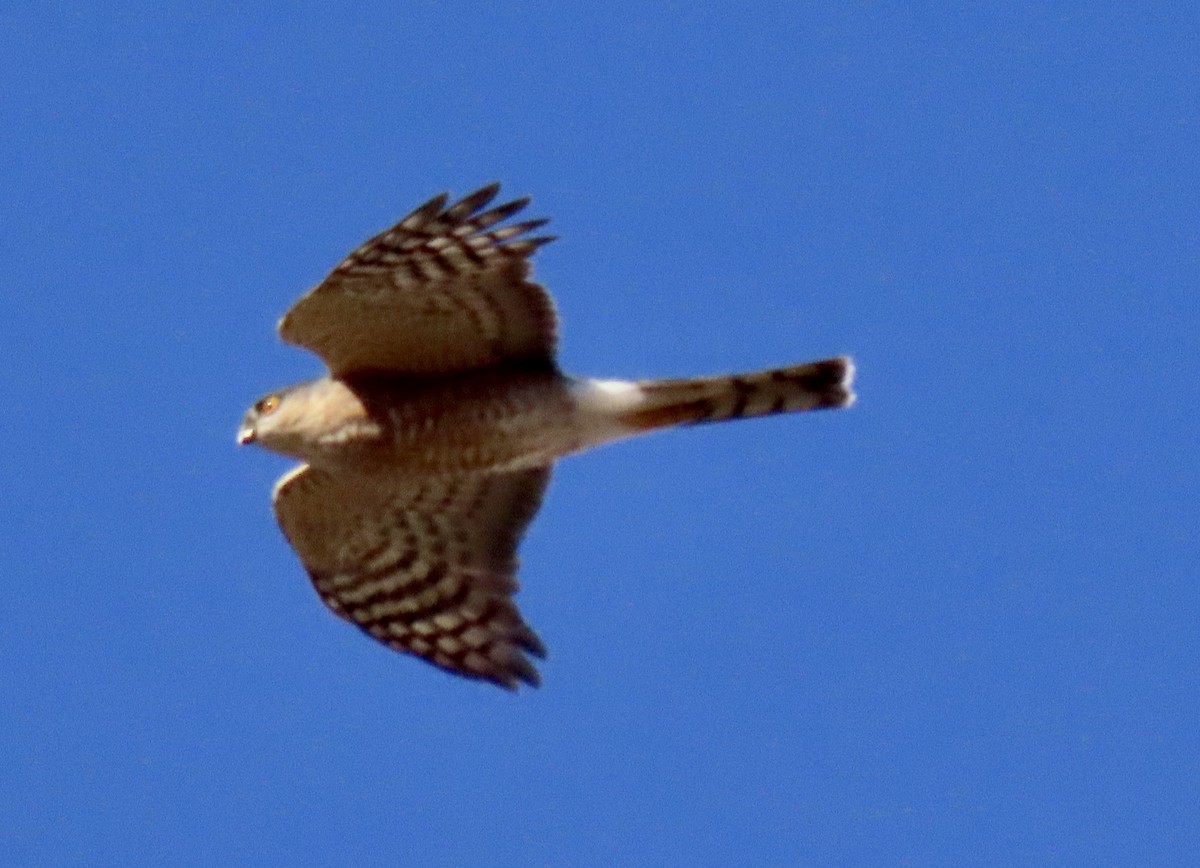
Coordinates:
(428,446)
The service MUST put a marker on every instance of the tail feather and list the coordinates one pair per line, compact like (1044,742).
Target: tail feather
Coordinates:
(814,386)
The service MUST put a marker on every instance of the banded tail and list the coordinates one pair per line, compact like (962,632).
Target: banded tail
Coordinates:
(814,386)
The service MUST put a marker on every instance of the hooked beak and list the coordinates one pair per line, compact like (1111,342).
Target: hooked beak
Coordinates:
(246,434)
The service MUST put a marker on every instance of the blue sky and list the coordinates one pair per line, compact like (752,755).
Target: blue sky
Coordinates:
(955,625)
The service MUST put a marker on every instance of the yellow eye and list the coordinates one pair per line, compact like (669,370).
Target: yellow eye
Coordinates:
(268,405)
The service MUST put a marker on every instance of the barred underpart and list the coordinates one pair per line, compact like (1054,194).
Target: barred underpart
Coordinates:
(426,567)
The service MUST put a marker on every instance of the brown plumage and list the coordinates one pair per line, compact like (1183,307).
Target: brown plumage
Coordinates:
(429,446)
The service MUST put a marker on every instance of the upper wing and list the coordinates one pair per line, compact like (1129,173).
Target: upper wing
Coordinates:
(440,291)
(426,568)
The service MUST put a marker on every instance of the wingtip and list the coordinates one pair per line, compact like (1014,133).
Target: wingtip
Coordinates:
(426,212)
(519,672)
(532,643)
(472,202)
(435,203)
(529,676)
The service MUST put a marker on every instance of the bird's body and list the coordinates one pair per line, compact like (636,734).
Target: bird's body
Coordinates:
(428,447)
(477,421)
(517,417)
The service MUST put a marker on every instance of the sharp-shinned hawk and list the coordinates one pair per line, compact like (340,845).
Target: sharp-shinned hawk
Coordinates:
(429,445)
